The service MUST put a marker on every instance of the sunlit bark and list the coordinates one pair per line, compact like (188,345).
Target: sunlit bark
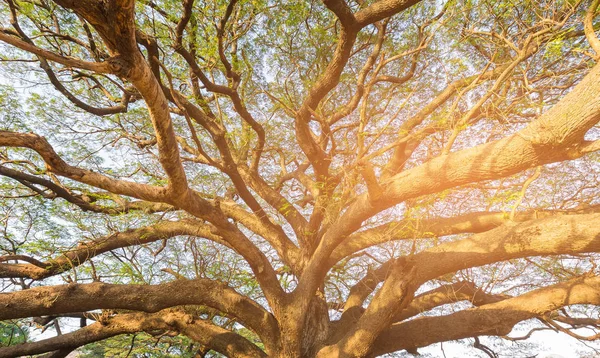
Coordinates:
(382,126)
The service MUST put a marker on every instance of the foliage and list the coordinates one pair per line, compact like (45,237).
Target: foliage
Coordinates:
(13,333)
(298,178)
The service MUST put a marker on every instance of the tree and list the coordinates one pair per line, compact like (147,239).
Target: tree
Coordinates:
(298,179)
(12,334)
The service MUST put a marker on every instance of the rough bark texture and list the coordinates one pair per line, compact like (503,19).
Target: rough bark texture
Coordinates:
(302,265)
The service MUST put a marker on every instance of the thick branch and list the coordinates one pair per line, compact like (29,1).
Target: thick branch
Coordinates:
(45,301)
(217,338)
(382,9)
(556,136)
(459,291)
(115,22)
(495,319)
(409,229)
(564,235)
(549,236)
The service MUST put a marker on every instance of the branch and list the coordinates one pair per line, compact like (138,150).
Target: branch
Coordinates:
(554,137)
(44,301)
(588,22)
(98,111)
(413,228)
(373,188)
(342,11)
(82,201)
(382,9)
(326,82)
(456,292)
(115,21)
(563,235)
(402,153)
(55,81)
(87,250)
(272,233)
(98,67)
(31,260)
(495,319)
(201,331)
(201,208)
(56,165)
(276,201)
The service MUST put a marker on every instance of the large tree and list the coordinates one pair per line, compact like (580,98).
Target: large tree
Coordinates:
(345,178)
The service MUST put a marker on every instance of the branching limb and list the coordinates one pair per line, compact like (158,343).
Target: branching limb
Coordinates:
(56,82)
(53,300)
(437,227)
(495,319)
(561,129)
(84,201)
(588,22)
(98,67)
(381,9)
(56,165)
(85,251)
(568,235)
(217,338)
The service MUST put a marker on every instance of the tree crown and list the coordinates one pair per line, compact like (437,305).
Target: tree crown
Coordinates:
(297,179)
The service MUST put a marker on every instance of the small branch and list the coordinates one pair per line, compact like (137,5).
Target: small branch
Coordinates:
(31,260)
(98,67)
(590,34)
(527,183)
(375,190)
